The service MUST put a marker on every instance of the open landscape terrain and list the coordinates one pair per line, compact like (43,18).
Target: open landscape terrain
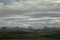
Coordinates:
(17,35)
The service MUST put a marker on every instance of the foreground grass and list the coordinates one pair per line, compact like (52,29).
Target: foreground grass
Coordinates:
(29,39)
(20,35)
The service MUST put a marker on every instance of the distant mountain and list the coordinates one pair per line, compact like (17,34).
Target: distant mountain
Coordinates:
(29,29)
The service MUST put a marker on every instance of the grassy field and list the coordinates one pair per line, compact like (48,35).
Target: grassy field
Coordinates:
(21,35)
(31,39)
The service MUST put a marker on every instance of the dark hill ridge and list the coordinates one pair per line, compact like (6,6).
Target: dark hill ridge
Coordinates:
(29,29)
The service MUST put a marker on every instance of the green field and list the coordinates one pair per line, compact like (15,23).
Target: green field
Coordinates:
(21,35)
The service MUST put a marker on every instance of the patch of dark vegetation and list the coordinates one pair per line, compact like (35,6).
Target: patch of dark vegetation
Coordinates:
(29,35)
(54,35)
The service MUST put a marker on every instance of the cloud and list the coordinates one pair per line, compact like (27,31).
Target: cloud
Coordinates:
(32,9)
(33,22)
(31,4)
(29,7)
(44,14)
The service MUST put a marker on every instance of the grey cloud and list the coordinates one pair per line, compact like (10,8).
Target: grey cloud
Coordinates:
(30,13)
(30,8)
(21,0)
(27,9)
(38,15)
(6,2)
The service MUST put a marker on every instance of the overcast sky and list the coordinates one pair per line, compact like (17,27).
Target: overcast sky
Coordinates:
(31,12)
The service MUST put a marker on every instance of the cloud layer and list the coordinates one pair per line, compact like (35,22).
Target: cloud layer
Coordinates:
(31,9)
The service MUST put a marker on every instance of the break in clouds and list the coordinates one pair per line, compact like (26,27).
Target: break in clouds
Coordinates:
(35,13)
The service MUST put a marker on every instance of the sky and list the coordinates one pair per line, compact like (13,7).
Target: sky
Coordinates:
(35,13)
